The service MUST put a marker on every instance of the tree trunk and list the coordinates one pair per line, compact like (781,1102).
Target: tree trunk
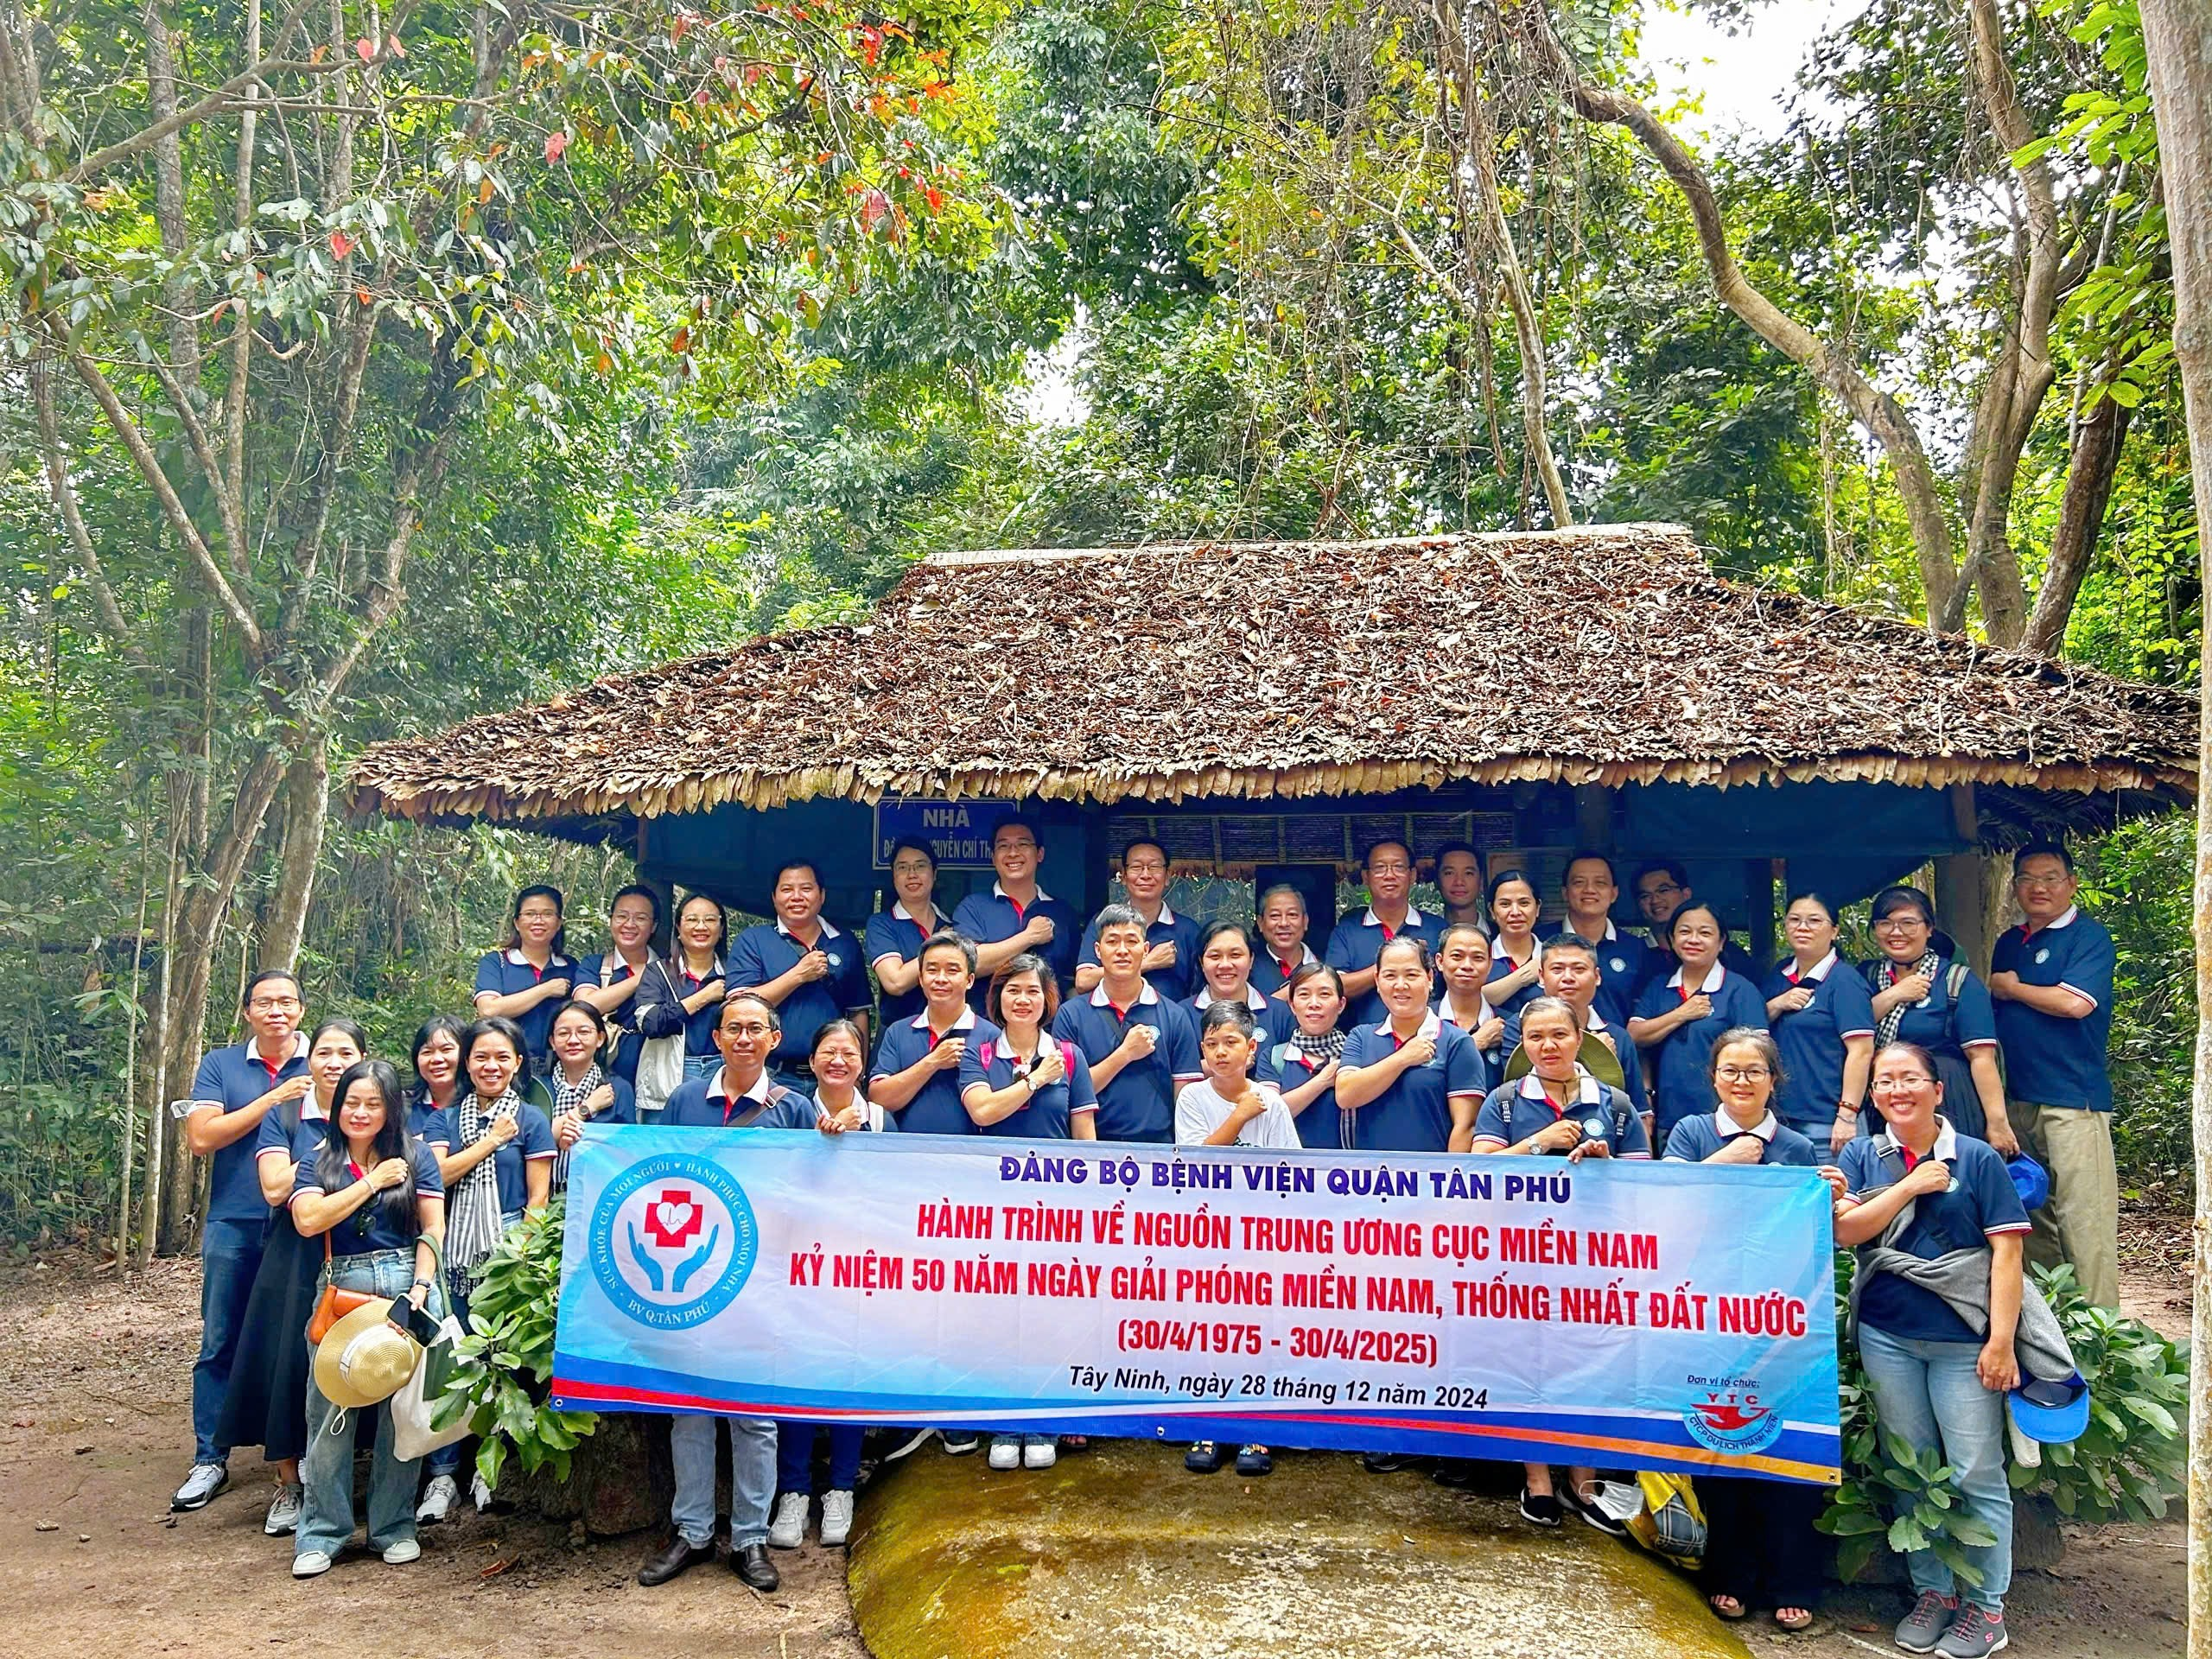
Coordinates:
(2098,441)
(306,810)
(2177,35)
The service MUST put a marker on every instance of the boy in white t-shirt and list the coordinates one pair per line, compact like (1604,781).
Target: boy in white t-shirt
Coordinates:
(1227,1108)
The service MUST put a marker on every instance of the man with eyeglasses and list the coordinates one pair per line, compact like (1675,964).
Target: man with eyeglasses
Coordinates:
(1663,886)
(741,1094)
(1357,941)
(1017,915)
(235,1089)
(2051,981)
(1171,955)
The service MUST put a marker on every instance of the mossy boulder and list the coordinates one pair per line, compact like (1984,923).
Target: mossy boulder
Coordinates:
(1117,1551)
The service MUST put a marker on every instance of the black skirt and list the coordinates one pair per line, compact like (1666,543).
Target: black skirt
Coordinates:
(266,1403)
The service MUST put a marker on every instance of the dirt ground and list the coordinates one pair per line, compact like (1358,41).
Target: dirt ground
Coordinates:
(94,1438)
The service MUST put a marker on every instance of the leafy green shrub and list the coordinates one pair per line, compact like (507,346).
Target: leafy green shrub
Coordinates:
(505,1365)
(2124,1466)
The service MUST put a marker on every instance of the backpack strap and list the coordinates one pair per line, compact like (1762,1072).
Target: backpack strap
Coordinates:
(776,1096)
(1954,979)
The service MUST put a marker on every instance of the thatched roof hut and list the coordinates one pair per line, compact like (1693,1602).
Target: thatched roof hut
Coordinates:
(1435,671)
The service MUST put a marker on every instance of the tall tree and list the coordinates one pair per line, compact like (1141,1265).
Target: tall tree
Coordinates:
(270,274)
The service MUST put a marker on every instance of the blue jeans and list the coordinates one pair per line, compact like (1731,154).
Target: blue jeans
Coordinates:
(327,1472)
(1927,1394)
(230,1256)
(795,1456)
(700,1065)
(752,1478)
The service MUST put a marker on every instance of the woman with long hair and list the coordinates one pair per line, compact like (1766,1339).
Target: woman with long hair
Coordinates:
(269,1378)
(372,1192)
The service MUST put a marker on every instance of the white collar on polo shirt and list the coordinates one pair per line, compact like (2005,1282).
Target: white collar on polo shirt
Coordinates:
(1499,953)
(899,910)
(1431,1027)
(1205,998)
(719,1087)
(965,1022)
(822,922)
(296,1050)
(2067,920)
(1714,975)
(1146,997)
(1305,955)
(1727,1127)
(1166,917)
(519,960)
(1371,920)
(999,892)
(1611,932)
(1819,971)
(1946,1149)
(1588,1091)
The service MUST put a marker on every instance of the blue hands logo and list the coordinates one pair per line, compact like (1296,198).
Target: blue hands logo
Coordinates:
(673,1241)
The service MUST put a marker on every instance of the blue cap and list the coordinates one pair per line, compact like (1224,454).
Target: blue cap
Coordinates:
(2051,1412)
(2030,1180)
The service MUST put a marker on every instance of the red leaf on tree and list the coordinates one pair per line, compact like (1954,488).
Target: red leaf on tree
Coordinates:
(934,196)
(678,29)
(365,49)
(682,342)
(874,205)
(556,144)
(341,244)
(397,50)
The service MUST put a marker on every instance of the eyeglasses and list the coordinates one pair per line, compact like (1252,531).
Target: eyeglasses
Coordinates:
(1899,923)
(2040,880)
(1391,868)
(1910,1080)
(272,1004)
(1742,1073)
(747,1030)
(1150,866)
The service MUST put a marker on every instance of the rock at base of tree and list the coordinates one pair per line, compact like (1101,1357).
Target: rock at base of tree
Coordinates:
(618,1478)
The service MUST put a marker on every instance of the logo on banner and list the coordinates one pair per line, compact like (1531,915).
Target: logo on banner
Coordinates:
(673,1241)
(1732,1422)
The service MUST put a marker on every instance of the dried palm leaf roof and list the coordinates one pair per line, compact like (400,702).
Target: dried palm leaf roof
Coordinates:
(1606,655)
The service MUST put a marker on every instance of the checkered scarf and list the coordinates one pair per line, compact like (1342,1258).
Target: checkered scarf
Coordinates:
(472,1206)
(569,1097)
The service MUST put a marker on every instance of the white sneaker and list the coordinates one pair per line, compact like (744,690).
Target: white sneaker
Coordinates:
(836,1518)
(405,1551)
(480,1493)
(312,1565)
(1040,1451)
(1006,1452)
(205,1480)
(438,1499)
(788,1529)
(283,1517)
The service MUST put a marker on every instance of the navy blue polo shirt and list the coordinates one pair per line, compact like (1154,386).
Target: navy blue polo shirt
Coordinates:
(1683,1062)
(1178,979)
(276,1136)
(1514,1111)
(659,1011)
(229,1078)
(895,932)
(1354,944)
(1621,961)
(368,1227)
(1269,976)
(1502,966)
(1940,1024)
(1659,962)
(1323,1124)
(505,973)
(705,1104)
(936,1108)
(1414,1113)
(426,1122)
(1811,1039)
(1049,1113)
(1981,1203)
(988,917)
(532,1143)
(608,968)
(623,1108)
(767,951)
(1138,1103)
(1271,1015)
(1696,1139)
(2049,1058)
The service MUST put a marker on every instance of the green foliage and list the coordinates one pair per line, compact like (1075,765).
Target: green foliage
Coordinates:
(2136,881)
(506,1361)
(2126,1466)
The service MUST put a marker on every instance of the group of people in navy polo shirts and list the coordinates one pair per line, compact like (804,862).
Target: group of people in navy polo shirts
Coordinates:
(1482,1029)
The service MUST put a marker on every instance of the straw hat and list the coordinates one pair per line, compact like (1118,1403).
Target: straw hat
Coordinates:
(366,1359)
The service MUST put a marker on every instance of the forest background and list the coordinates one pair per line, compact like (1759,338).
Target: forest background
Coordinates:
(371,364)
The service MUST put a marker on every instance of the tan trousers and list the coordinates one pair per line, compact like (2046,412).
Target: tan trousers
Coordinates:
(2080,1225)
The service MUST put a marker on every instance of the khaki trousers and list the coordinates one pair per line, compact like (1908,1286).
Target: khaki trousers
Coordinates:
(2080,1225)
